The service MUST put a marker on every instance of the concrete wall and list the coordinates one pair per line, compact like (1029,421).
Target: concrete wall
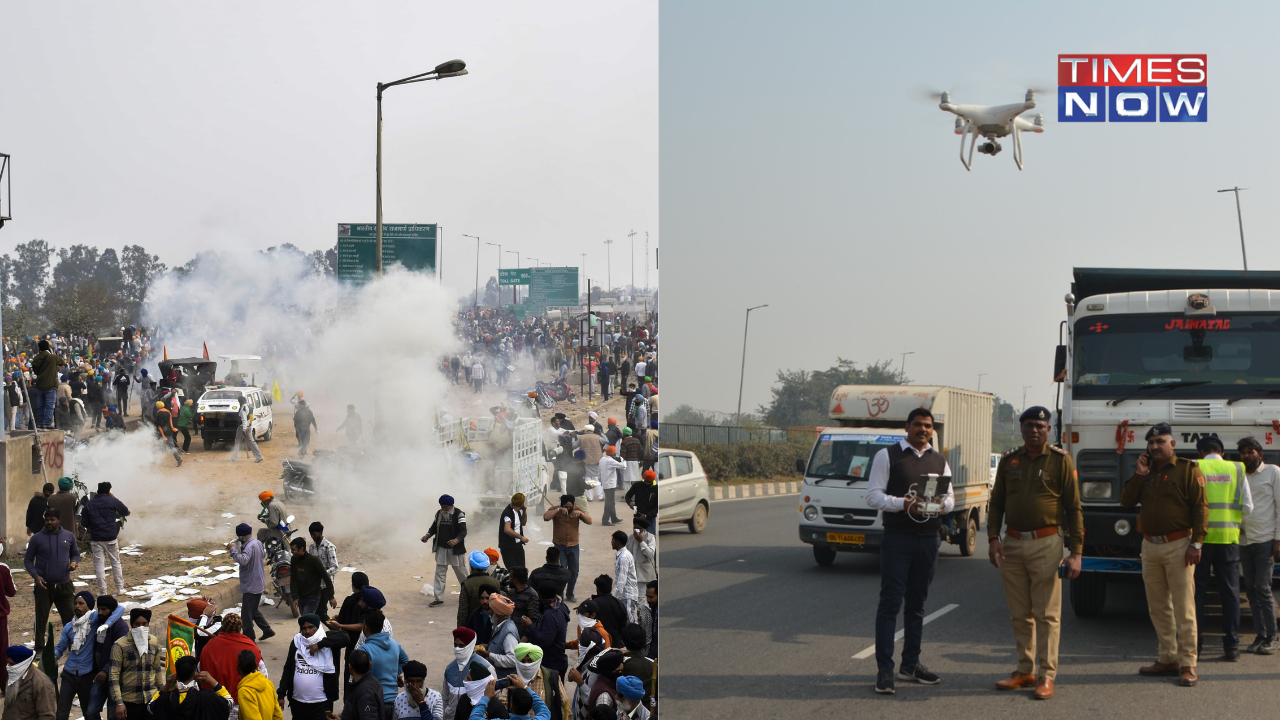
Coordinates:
(19,483)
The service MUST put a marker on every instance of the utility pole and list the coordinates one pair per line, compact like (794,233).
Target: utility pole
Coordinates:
(902,371)
(608,265)
(1024,397)
(980,376)
(1240,220)
(632,236)
(646,260)
(476,302)
(743,371)
(583,274)
(515,288)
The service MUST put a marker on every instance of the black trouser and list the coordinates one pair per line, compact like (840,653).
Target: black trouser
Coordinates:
(610,512)
(59,595)
(70,687)
(136,711)
(1224,561)
(907,563)
(304,439)
(311,711)
(512,557)
(122,403)
(95,410)
(186,438)
(249,610)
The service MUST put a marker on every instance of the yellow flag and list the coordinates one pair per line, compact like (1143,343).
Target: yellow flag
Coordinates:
(275,391)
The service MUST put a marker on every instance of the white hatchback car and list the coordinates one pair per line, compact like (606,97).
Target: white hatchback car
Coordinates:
(683,496)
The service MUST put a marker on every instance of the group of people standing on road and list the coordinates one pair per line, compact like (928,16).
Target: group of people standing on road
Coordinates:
(1202,521)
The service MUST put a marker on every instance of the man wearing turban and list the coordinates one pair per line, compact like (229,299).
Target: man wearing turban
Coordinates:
(449,528)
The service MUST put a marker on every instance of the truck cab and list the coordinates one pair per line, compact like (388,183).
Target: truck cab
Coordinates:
(1197,349)
(834,516)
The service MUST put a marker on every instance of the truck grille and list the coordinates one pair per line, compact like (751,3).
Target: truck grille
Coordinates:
(1200,410)
(849,516)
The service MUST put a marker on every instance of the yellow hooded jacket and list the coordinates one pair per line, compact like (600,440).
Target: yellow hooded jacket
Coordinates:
(257,698)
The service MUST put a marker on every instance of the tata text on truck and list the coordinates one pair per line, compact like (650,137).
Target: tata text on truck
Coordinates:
(834,516)
(1198,349)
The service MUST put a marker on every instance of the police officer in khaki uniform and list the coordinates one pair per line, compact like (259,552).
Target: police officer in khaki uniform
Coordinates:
(1036,492)
(1174,520)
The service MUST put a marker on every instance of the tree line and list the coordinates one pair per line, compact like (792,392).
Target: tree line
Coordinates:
(86,291)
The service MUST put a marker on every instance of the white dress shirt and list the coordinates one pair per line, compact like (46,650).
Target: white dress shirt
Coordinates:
(878,480)
(1262,521)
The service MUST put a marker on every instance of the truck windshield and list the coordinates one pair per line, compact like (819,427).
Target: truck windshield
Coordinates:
(846,457)
(1192,357)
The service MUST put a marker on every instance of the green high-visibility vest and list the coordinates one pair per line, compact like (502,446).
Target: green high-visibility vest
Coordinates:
(1222,479)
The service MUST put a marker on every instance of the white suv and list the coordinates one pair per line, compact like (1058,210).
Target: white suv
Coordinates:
(219,411)
(682,490)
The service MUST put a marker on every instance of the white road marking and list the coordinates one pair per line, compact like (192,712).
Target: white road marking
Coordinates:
(928,619)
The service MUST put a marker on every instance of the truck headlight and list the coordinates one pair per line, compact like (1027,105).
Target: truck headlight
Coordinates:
(1095,490)
(1123,527)
(811,513)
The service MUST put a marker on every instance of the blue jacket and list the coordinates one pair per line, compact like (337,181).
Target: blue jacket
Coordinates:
(49,556)
(99,516)
(81,662)
(548,634)
(388,659)
(540,710)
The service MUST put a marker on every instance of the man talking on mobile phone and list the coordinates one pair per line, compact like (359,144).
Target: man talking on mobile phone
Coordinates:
(1174,520)
(1037,493)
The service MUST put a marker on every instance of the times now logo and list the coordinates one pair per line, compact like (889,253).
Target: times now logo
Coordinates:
(1133,88)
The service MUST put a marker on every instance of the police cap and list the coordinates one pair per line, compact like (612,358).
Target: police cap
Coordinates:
(1159,429)
(1034,413)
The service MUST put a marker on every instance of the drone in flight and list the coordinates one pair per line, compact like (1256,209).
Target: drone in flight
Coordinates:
(992,122)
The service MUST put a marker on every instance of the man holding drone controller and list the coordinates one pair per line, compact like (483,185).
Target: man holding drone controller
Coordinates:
(909,550)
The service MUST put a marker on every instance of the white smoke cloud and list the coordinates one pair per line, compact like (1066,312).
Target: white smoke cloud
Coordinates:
(377,347)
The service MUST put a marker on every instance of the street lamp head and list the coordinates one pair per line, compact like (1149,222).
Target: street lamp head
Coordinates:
(451,68)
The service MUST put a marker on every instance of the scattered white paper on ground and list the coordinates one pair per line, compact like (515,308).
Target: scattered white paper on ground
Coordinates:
(189,591)
(228,514)
(79,583)
(346,569)
(224,568)
(545,542)
(193,558)
(217,552)
(88,577)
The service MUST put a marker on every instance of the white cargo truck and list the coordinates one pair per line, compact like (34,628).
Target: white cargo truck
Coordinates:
(834,516)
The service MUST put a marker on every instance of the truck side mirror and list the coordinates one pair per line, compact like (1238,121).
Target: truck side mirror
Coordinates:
(1060,363)
(800,465)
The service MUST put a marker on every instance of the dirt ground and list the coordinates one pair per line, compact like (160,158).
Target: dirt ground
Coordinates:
(233,487)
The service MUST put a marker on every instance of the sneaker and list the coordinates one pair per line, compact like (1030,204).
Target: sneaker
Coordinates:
(1257,643)
(1231,654)
(919,673)
(884,682)
(435,603)
(1270,647)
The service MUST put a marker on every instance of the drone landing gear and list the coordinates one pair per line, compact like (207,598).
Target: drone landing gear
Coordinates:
(1017,145)
(972,135)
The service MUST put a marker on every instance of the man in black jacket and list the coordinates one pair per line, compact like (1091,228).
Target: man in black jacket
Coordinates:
(643,497)
(449,528)
(36,508)
(364,700)
(207,699)
(333,640)
(303,421)
(551,571)
(609,610)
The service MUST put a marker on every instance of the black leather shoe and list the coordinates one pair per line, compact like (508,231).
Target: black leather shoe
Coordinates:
(1231,654)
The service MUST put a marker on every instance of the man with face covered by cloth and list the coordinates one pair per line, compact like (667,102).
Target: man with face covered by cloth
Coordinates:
(545,682)
(464,678)
(1173,519)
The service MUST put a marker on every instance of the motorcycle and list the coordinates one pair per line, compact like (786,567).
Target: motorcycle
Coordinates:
(278,557)
(297,477)
(556,391)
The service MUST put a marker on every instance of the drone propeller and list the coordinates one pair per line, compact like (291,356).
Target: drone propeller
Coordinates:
(925,92)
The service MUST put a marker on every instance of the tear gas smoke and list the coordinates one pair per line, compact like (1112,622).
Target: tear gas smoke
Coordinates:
(377,347)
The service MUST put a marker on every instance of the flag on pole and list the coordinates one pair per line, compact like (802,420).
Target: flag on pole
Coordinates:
(181,641)
(275,391)
(206,351)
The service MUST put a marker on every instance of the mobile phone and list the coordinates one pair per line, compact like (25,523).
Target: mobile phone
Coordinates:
(1062,570)
(502,684)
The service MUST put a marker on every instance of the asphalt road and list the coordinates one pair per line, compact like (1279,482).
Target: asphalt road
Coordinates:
(752,627)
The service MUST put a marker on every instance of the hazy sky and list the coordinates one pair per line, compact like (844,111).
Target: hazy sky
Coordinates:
(184,127)
(801,168)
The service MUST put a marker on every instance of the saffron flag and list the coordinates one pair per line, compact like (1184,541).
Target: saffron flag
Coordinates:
(166,353)
(181,641)
(206,351)
(275,391)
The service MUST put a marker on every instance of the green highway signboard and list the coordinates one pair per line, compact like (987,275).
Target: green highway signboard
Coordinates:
(411,246)
(552,287)
(514,276)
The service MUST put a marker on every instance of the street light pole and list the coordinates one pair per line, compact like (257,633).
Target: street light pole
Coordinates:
(742,373)
(608,265)
(1240,220)
(515,289)
(1024,397)
(499,246)
(584,276)
(902,371)
(632,236)
(476,300)
(980,376)
(453,68)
